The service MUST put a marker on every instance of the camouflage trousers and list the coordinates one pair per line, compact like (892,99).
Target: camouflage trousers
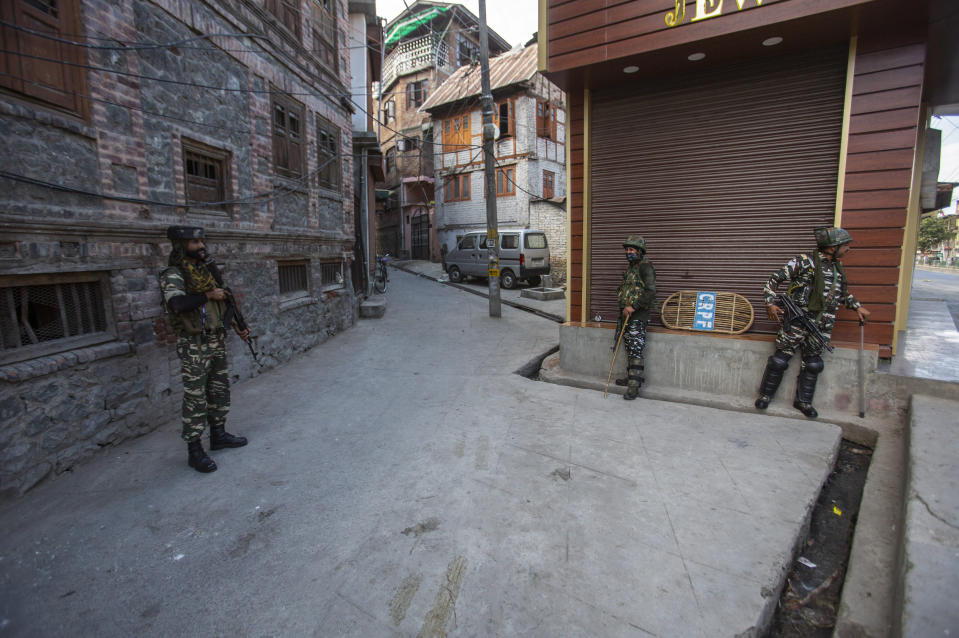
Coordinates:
(797,338)
(206,383)
(635,338)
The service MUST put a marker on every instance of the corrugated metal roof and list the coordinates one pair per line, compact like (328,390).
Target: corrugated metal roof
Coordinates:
(513,67)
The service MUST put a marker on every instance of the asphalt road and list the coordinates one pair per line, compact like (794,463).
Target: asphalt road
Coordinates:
(930,285)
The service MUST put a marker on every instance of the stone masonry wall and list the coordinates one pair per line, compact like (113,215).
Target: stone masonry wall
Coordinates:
(62,405)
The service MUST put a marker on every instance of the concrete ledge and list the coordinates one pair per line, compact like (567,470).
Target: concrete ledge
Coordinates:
(543,294)
(373,308)
(725,372)
(930,559)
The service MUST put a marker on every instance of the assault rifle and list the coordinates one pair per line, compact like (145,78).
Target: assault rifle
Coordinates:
(233,314)
(792,313)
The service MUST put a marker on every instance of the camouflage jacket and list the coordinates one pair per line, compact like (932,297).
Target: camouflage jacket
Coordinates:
(638,288)
(207,317)
(800,271)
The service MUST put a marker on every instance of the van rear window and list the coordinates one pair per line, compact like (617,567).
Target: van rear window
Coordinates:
(535,241)
(510,241)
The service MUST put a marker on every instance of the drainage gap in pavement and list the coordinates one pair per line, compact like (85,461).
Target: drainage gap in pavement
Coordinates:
(531,368)
(810,597)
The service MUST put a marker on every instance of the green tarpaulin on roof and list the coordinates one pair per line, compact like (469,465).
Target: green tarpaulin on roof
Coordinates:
(409,25)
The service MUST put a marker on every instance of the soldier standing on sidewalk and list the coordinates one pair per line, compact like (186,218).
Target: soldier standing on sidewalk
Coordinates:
(196,307)
(817,285)
(636,296)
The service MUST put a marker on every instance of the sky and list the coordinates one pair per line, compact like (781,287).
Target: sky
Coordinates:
(514,20)
(949,160)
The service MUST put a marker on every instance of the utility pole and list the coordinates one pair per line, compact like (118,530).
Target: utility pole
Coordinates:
(489,134)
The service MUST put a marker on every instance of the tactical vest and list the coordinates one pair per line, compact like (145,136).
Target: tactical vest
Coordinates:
(207,317)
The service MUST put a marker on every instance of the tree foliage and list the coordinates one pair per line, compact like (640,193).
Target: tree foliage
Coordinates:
(932,232)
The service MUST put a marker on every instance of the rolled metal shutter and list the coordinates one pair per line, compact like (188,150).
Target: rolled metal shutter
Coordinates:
(725,174)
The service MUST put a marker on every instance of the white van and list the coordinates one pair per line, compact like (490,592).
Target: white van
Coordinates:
(523,255)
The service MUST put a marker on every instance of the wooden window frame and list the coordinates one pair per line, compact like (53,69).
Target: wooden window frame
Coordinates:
(509,181)
(324,33)
(289,14)
(456,133)
(328,145)
(104,313)
(549,184)
(389,159)
(546,119)
(292,283)
(510,129)
(416,93)
(466,48)
(287,143)
(457,188)
(191,182)
(56,84)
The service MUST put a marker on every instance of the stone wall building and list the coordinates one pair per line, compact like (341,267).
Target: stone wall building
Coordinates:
(120,118)
(530,113)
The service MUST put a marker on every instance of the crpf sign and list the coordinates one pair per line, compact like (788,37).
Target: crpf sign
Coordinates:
(705,311)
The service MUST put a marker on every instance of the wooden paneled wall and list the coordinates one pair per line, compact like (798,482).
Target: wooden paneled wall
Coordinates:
(883,133)
(577,141)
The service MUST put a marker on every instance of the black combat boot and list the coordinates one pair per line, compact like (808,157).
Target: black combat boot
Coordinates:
(198,459)
(806,386)
(634,378)
(775,368)
(220,438)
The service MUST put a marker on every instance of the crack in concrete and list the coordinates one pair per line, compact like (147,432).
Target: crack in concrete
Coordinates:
(936,516)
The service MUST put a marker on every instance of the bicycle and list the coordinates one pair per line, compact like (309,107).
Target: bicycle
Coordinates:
(380,275)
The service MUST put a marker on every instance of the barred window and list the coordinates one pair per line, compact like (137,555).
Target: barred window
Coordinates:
(294,277)
(42,314)
(332,274)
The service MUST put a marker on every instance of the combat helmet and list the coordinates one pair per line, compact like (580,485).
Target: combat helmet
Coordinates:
(635,241)
(827,236)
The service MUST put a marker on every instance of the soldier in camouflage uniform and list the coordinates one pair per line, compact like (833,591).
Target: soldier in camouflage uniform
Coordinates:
(636,296)
(196,308)
(817,285)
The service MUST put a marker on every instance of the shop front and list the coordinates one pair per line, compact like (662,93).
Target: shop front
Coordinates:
(724,132)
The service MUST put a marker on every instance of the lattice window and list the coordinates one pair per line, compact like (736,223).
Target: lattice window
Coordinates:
(294,276)
(331,273)
(50,313)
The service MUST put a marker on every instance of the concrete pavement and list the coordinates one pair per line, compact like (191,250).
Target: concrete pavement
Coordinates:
(402,481)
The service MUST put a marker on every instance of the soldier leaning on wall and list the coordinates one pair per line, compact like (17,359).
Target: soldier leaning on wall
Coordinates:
(817,285)
(196,307)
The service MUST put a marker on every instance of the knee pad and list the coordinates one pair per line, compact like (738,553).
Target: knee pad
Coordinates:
(814,364)
(779,360)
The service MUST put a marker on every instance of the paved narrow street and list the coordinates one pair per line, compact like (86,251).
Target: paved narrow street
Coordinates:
(402,480)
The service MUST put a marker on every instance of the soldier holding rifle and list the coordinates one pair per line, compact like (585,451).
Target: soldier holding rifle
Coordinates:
(200,308)
(817,287)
